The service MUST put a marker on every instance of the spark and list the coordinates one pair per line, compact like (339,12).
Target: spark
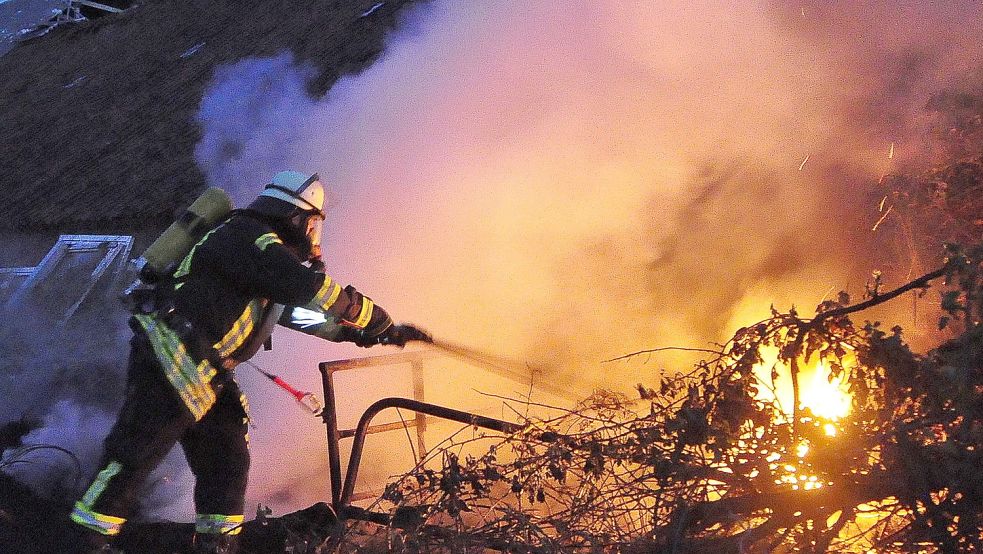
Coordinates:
(307,318)
(890,155)
(883,217)
(880,207)
(801,165)
(826,294)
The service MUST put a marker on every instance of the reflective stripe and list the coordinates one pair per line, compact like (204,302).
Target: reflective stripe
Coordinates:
(264,241)
(190,380)
(185,266)
(327,295)
(245,418)
(99,485)
(218,524)
(365,315)
(100,523)
(241,329)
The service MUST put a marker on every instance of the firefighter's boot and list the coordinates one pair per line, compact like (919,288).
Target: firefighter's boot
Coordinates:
(216,543)
(80,540)
(106,549)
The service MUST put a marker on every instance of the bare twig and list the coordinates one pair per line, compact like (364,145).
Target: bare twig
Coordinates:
(663,349)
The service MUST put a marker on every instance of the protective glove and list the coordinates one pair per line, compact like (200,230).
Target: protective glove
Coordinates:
(396,335)
(399,335)
(358,337)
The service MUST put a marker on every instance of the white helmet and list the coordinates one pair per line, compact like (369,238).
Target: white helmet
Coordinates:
(296,199)
(302,190)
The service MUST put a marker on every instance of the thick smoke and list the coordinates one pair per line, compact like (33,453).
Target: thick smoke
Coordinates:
(65,382)
(567,182)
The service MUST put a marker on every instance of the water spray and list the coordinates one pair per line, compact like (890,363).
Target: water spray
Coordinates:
(480,357)
(519,371)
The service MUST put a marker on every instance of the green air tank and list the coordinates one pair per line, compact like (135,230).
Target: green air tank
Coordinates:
(162,257)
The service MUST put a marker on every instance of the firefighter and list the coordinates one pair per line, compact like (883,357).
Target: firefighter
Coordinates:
(259,267)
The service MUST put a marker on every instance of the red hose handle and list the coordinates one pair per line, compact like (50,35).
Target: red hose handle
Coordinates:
(285,386)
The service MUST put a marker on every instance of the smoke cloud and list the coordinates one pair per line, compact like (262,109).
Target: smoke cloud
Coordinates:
(67,382)
(560,183)
(568,182)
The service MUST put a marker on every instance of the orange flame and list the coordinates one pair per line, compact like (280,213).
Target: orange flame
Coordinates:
(827,398)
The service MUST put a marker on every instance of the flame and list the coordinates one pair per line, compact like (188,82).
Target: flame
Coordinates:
(827,398)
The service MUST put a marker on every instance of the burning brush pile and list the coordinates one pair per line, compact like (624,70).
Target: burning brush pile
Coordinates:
(709,461)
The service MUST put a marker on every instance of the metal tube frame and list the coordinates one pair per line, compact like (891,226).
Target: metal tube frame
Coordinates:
(341,492)
(330,417)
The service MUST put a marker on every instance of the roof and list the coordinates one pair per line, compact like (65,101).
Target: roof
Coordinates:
(97,119)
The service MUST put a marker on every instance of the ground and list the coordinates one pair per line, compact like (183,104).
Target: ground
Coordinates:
(105,109)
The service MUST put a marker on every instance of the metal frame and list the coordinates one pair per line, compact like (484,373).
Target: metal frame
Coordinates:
(117,251)
(96,5)
(11,278)
(343,492)
(70,13)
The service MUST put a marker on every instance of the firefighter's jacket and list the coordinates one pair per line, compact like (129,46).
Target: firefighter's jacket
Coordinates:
(227,294)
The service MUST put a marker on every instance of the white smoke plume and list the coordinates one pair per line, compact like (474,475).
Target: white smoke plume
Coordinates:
(67,425)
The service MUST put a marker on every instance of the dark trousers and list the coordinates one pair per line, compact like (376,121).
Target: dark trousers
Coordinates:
(153,418)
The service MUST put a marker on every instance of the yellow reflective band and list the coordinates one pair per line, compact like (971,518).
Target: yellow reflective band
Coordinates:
(99,485)
(185,266)
(218,524)
(100,523)
(245,418)
(327,295)
(264,241)
(365,315)
(241,329)
(190,379)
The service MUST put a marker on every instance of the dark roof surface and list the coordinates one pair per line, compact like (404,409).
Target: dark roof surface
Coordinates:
(97,127)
